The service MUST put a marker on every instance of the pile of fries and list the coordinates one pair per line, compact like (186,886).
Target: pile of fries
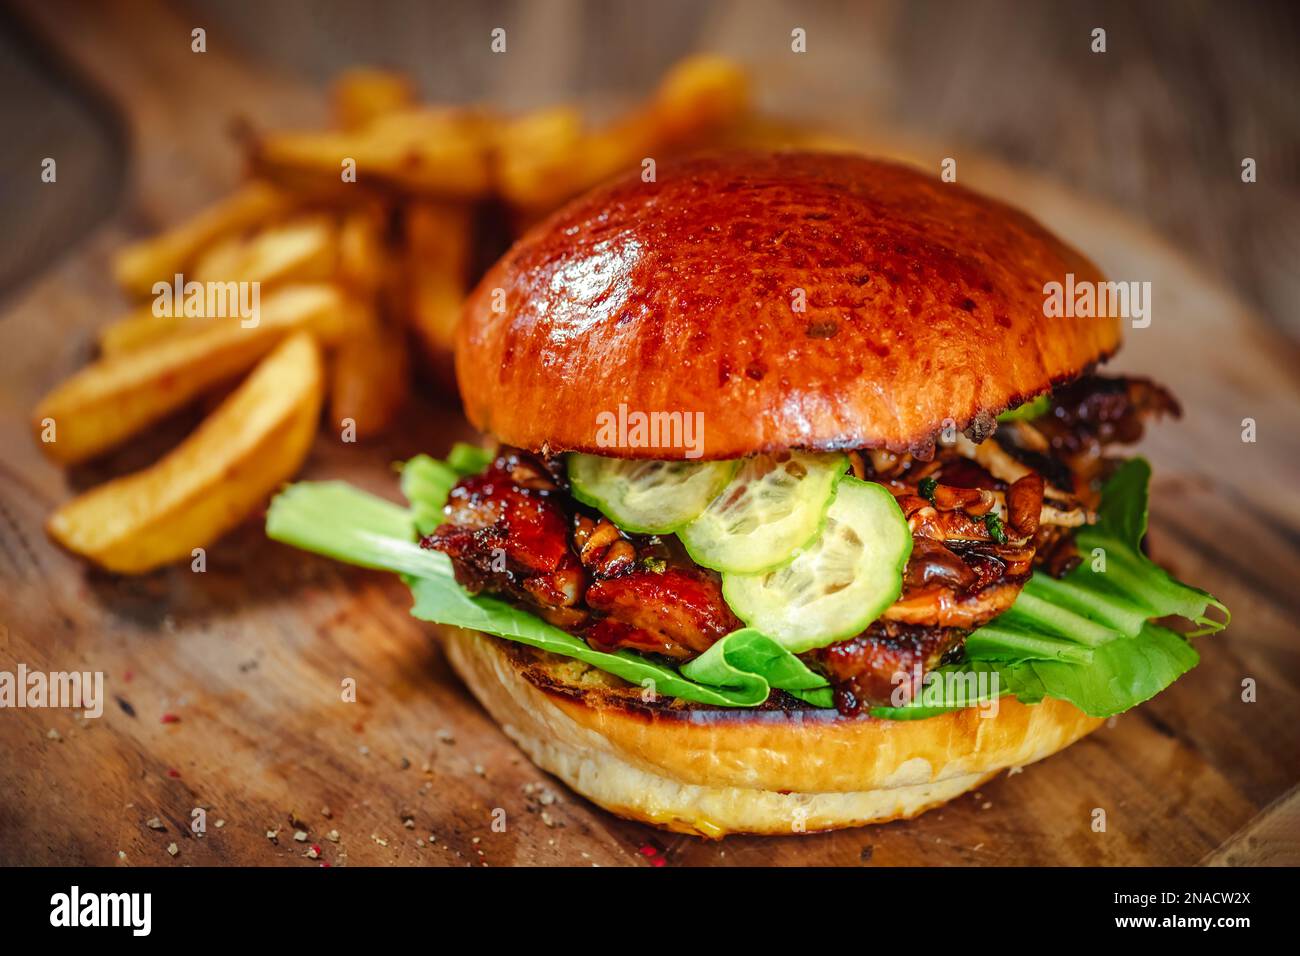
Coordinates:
(354,238)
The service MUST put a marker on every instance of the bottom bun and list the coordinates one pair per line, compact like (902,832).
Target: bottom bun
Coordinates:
(717,770)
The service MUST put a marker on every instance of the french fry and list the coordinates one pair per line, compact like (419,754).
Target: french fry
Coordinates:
(362,254)
(109,401)
(535,153)
(698,95)
(136,329)
(301,249)
(361,95)
(141,328)
(543,160)
(158,259)
(426,152)
(369,377)
(438,243)
(213,480)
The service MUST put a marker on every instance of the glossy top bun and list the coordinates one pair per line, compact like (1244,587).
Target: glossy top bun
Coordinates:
(780,300)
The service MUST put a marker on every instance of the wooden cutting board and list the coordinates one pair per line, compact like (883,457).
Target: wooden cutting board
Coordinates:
(249,657)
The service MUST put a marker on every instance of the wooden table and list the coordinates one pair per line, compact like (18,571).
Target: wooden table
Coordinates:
(224,686)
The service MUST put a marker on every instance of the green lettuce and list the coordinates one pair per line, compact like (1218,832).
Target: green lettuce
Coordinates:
(426,481)
(1089,638)
(344,523)
(1031,409)
(468,459)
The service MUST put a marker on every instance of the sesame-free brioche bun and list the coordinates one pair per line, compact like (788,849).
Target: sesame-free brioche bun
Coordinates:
(801,300)
(716,770)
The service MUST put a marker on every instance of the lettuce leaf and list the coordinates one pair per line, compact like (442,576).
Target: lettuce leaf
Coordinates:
(426,481)
(1122,674)
(1034,408)
(747,654)
(466,459)
(1126,578)
(342,522)
(952,687)
(1088,638)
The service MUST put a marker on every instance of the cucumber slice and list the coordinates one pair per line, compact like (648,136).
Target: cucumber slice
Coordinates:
(648,497)
(837,585)
(772,507)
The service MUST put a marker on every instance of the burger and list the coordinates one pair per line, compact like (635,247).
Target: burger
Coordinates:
(796,511)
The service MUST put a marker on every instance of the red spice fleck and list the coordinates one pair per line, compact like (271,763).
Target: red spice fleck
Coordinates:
(658,861)
(170,718)
(324,865)
(316,847)
(173,773)
(648,850)
(127,676)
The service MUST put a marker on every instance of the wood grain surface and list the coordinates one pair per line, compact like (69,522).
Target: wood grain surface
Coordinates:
(248,657)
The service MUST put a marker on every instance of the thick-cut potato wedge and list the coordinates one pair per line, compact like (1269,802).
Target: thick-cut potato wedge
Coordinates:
(256,440)
(438,245)
(545,159)
(302,249)
(699,94)
(158,259)
(369,377)
(363,256)
(306,249)
(116,397)
(534,153)
(138,328)
(433,153)
(363,94)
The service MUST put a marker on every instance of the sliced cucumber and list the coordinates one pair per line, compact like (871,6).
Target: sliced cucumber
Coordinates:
(837,585)
(771,508)
(648,497)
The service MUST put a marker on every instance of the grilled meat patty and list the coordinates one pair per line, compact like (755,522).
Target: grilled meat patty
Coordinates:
(886,658)
(681,606)
(982,518)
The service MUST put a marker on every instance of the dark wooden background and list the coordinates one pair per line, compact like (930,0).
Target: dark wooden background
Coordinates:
(250,654)
(1156,126)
